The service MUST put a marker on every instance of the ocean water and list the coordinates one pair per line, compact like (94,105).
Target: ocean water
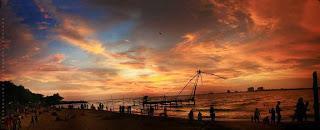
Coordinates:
(228,106)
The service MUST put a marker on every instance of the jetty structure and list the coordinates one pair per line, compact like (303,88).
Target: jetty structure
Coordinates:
(179,100)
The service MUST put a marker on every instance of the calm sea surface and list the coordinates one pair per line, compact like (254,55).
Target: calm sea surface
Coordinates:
(229,106)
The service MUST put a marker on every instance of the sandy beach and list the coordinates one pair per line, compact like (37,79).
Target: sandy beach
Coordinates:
(103,120)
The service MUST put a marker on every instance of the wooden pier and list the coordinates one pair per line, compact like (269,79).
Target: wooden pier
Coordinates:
(177,101)
(167,103)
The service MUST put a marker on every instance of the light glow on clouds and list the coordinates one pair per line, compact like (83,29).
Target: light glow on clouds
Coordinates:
(138,47)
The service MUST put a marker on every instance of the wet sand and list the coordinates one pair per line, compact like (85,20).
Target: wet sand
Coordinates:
(102,120)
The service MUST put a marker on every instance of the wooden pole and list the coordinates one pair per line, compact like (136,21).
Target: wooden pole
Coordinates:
(315,96)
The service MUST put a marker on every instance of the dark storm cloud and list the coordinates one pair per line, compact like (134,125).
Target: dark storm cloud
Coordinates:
(303,63)
(162,21)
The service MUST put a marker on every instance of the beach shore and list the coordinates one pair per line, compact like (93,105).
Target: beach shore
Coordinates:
(73,119)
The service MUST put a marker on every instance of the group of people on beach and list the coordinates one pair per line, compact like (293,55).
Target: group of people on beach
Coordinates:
(150,111)
(275,116)
(212,114)
(274,112)
(84,106)
(101,106)
(13,122)
(34,119)
(122,109)
(300,113)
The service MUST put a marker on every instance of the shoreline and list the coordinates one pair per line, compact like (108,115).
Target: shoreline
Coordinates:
(200,94)
(106,120)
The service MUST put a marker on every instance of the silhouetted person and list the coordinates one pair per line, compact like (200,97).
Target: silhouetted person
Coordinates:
(151,111)
(299,112)
(19,124)
(36,117)
(165,112)
(129,109)
(199,116)
(92,107)
(265,120)
(190,115)
(256,115)
(122,109)
(278,111)
(14,126)
(212,114)
(101,106)
(32,121)
(305,111)
(273,115)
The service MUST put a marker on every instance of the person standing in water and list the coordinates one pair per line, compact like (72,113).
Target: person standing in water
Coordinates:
(191,115)
(165,112)
(212,114)
(273,115)
(278,111)
(199,116)
(257,115)
(299,112)
(129,109)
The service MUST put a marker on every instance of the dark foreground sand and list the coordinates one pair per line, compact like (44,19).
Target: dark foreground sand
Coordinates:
(102,120)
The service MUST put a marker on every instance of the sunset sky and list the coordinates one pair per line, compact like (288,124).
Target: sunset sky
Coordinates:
(92,49)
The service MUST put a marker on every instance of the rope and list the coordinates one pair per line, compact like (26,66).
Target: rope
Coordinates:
(187,84)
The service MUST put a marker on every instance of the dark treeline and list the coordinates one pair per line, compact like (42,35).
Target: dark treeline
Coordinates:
(20,96)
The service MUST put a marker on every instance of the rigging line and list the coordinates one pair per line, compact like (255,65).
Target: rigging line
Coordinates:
(187,84)
(215,75)
(195,86)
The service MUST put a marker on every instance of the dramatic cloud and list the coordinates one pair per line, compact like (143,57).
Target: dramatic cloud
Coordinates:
(95,48)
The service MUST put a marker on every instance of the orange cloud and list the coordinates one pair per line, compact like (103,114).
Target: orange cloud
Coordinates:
(77,33)
(266,43)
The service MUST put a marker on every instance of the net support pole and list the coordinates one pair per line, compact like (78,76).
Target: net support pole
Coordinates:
(315,96)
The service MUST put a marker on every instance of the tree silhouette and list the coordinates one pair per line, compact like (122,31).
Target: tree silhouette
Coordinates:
(17,96)
(53,100)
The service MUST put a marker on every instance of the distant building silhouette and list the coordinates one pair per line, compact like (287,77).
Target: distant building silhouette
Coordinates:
(260,89)
(251,89)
